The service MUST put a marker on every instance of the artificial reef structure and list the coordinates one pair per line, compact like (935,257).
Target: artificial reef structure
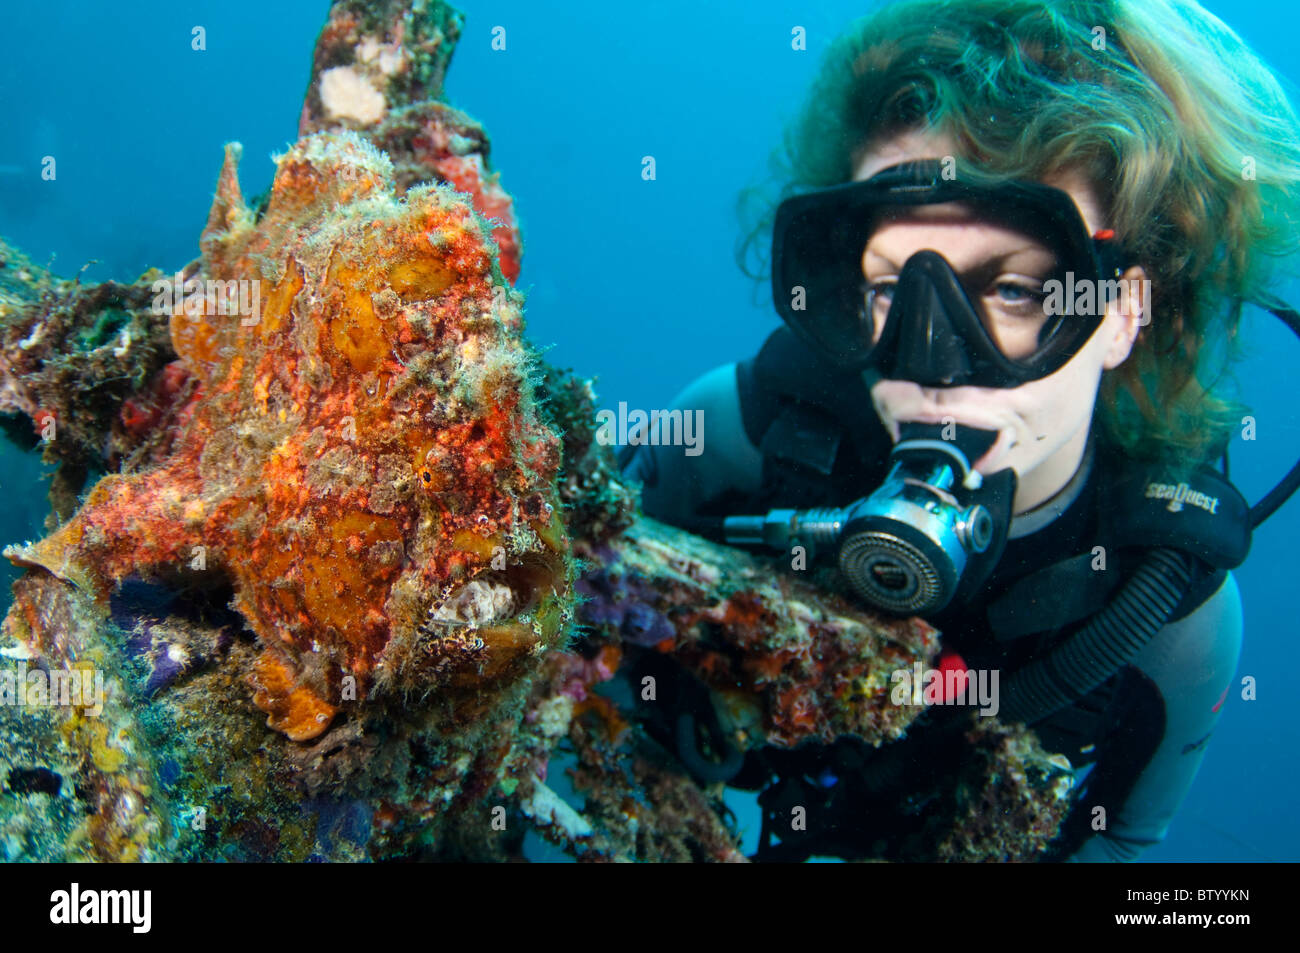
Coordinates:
(354,574)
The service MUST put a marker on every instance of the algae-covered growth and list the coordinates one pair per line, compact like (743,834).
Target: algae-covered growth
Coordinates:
(329,580)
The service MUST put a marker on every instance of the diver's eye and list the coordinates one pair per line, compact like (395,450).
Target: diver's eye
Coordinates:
(1015,311)
(879,293)
(1018,295)
(877,296)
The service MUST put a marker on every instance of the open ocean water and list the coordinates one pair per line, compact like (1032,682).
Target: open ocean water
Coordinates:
(632,281)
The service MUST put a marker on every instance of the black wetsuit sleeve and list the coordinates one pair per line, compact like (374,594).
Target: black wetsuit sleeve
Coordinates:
(1191,663)
(678,482)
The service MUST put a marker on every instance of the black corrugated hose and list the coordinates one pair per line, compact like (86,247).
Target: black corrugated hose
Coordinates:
(1108,641)
(1115,635)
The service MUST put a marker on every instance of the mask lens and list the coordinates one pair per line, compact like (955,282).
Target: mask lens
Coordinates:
(1007,279)
(983,304)
(814,281)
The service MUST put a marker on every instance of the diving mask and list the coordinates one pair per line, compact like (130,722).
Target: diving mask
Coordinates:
(934,333)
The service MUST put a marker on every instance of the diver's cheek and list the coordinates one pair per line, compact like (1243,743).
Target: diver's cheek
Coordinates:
(1004,453)
(896,401)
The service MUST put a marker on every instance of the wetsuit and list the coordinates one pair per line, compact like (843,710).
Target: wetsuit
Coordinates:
(1136,742)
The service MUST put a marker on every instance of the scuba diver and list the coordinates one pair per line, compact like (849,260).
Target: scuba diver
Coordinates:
(1012,241)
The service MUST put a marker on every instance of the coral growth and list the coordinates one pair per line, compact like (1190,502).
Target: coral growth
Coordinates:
(330,581)
(350,454)
(802,664)
(379,68)
(70,354)
(1012,800)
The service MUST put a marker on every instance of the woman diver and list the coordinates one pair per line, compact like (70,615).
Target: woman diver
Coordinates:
(1033,473)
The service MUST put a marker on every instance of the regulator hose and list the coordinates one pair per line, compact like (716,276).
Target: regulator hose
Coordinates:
(1109,640)
(1114,636)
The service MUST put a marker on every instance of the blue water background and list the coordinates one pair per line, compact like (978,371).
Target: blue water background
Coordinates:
(630,280)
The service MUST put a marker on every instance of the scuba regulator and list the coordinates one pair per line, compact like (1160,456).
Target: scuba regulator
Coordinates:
(933,530)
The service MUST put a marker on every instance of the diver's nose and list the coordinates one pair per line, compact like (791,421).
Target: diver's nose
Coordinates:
(921,342)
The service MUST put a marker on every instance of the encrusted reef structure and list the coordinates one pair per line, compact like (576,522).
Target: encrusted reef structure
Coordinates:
(357,579)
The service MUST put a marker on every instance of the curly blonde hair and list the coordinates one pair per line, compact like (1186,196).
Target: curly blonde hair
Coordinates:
(1185,133)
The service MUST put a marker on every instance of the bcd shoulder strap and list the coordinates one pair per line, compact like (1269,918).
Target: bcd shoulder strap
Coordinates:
(1140,505)
(1200,513)
(812,422)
